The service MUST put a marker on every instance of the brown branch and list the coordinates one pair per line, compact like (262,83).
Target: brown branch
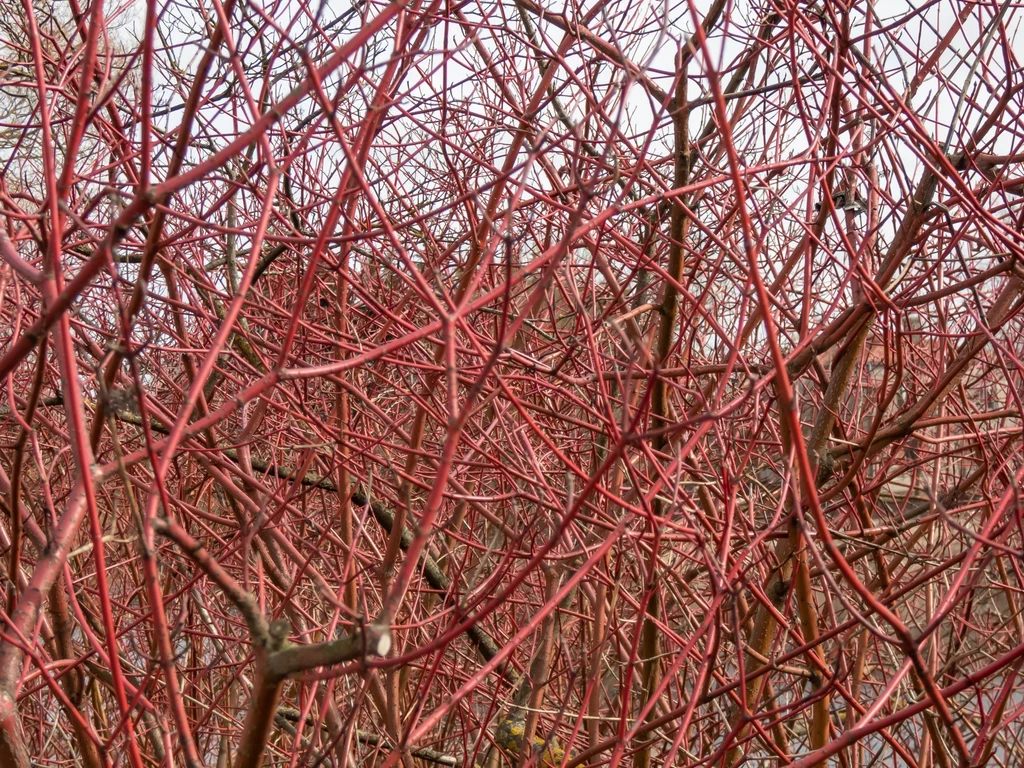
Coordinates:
(435,577)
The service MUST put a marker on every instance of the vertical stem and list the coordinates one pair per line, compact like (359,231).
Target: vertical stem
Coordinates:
(650,643)
(260,717)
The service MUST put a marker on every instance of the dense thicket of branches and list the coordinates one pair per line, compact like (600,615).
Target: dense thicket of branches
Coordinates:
(409,382)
